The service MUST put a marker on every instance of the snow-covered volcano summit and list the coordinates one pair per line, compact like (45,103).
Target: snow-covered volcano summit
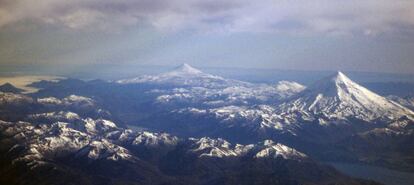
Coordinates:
(183,75)
(186,69)
(337,96)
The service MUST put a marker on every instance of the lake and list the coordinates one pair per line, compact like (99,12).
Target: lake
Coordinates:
(379,174)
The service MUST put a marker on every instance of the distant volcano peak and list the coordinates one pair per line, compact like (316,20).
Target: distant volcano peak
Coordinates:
(340,77)
(7,87)
(186,68)
(333,83)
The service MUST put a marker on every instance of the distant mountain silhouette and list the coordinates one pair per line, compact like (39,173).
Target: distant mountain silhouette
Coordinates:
(7,87)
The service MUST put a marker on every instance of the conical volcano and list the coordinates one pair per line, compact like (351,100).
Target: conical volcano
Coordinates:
(7,87)
(186,68)
(337,96)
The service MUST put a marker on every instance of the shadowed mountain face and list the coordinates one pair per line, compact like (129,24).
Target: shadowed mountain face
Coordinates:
(9,88)
(189,127)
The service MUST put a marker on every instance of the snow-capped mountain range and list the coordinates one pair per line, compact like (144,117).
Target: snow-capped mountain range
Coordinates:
(210,116)
(207,147)
(102,139)
(192,86)
(98,149)
(332,100)
(286,107)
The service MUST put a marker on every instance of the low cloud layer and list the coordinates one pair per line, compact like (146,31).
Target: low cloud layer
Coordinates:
(336,17)
(361,35)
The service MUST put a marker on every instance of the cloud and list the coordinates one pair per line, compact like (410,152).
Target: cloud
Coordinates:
(369,17)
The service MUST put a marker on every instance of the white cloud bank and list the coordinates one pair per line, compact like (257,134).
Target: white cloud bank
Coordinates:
(368,17)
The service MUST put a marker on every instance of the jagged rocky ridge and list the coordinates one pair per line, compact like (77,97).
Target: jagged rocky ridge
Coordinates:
(89,143)
(102,139)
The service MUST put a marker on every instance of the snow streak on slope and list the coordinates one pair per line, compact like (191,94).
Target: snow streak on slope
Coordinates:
(405,101)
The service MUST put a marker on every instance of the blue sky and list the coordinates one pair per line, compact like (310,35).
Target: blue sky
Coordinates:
(368,35)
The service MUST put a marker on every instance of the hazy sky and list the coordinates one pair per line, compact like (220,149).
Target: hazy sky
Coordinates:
(352,35)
